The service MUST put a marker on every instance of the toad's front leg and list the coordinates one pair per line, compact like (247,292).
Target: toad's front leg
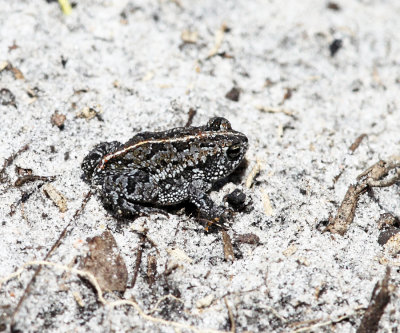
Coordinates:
(207,208)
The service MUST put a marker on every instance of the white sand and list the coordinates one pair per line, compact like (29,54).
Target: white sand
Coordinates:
(143,77)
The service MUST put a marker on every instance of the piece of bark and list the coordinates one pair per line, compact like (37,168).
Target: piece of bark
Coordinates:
(228,248)
(106,263)
(374,176)
(357,142)
(346,211)
(151,269)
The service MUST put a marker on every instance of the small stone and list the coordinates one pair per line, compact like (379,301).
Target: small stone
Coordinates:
(205,302)
(248,239)
(236,199)
(292,249)
(333,6)
(335,46)
(58,119)
(7,97)
(189,37)
(392,246)
(233,94)
(388,219)
(385,235)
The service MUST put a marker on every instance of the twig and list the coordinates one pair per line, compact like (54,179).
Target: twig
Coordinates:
(192,112)
(377,305)
(138,257)
(372,177)
(270,109)
(100,295)
(336,178)
(346,211)
(253,174)
(228,248)
(219,37)
(31,178)
(231,318)
(151,269)
(357,142)
(155,308)
(275,313)
(148,239)
(266,203)
(8,161)
(65,6)
(328,322)
(49,253)
(352,148)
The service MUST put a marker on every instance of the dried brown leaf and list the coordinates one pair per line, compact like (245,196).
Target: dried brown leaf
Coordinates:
(106,263)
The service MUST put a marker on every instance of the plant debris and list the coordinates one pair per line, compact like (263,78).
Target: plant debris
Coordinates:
(8,161)
(65,6)
(90,112)
(106,263)
(372,177)
(58,119)
(392,246)
(13,46)
(254,172)
(270,109)
(151,269)
(357,142)
(268,210)
(58,199)
(387,235)
(233,94)
(219,37)
(192,112)
(389,226)
(7,97)
(379,300)
(287,95)
(5,65)
(138,260)
(228,248)
(189,37)
(31,178)
(388,220)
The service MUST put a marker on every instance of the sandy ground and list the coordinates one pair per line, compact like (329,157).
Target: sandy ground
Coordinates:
(141,66)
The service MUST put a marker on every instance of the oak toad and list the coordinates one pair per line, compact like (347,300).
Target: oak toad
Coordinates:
(156,169)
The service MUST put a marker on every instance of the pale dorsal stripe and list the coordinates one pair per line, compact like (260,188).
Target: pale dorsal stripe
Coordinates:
(203,135)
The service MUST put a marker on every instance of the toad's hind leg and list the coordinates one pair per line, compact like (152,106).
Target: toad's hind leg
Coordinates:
(124,193)
(128,209)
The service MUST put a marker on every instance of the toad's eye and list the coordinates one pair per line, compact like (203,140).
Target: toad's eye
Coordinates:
(219,124)
(233,152)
